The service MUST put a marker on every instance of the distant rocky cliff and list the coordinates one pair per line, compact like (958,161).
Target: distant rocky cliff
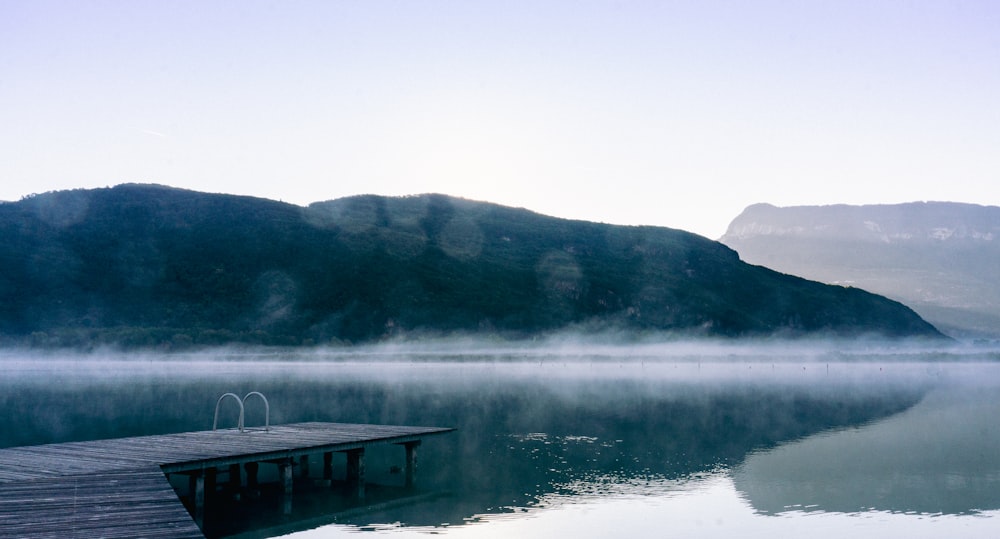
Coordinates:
(942,259)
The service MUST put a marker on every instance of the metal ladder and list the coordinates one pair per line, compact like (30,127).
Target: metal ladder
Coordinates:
(240,402)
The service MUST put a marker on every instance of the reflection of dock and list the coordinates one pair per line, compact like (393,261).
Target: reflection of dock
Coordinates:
(338,516)
(120,487)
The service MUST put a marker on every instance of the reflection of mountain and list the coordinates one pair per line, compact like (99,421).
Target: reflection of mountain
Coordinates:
(941,259)
(525,431)
(941,456)
(616,432)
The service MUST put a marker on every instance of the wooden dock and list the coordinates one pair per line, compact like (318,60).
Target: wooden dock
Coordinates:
(120,487)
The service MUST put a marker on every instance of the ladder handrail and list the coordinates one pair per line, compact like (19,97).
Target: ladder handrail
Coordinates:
(267,409)
(239,401)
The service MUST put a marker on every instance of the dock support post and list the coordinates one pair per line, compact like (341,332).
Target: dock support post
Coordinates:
(235,476)
(327,468)
(196,483)
(251,469)
(235,480)
(285,472)
(356,472)
(410,472)
(211,479)
(304,466)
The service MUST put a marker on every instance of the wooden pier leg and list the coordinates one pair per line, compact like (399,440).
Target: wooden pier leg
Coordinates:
(235,481)
(356,472)
(285,472)
(235,476)
(304,466)
(327,468)
(251,469)
(211,480)
(196,483)
(410,472)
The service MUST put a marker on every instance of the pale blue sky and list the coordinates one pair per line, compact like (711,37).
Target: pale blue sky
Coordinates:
(667,113)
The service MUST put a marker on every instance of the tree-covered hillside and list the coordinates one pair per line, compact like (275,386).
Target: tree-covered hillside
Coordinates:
(151,265)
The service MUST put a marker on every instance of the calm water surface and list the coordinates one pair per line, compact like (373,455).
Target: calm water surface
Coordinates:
(598,442)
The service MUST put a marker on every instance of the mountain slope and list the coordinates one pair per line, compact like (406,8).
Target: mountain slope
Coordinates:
(145,265)
(942,259)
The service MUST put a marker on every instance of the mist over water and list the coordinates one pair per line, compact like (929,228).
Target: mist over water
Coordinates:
(588,439)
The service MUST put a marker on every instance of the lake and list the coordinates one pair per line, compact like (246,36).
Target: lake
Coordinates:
(582,440)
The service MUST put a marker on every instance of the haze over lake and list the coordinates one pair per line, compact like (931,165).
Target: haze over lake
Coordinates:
(703,440)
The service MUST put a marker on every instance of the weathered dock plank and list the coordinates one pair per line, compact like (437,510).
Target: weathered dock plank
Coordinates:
(118,488)
(126,503)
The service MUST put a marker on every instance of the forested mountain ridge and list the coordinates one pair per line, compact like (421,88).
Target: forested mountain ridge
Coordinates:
(147,265)
(940,258)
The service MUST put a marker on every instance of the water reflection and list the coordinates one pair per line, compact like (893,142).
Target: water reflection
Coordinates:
(941,456)
(539,439)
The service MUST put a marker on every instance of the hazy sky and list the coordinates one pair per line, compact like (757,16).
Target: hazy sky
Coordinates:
(667,113)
